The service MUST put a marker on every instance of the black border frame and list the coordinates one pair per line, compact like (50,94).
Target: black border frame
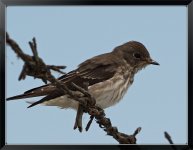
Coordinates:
(5,3)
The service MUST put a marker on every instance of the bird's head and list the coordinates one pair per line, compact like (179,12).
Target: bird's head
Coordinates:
(135,54)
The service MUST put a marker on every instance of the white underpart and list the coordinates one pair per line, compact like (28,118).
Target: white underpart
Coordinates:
(106,93)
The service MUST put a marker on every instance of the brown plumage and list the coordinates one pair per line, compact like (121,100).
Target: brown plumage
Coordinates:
(109,75)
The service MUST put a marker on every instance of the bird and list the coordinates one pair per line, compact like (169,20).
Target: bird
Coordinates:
(108,76)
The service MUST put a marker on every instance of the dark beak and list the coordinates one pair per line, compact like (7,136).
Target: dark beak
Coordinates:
(153,62)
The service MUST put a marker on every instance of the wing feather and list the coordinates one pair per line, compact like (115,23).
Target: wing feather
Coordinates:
(93,71)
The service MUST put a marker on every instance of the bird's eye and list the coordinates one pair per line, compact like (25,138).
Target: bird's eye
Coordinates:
(137,55)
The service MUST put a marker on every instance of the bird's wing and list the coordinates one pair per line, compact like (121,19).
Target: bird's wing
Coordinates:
(92,71)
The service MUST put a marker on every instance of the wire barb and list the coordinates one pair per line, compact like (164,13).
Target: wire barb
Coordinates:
(33,65)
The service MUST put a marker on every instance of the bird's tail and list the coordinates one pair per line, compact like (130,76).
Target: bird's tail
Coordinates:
(35,92)
(22,96)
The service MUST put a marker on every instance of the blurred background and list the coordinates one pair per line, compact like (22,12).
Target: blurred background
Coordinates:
(68,35)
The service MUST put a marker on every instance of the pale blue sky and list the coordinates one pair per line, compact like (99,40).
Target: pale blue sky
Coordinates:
(157,101)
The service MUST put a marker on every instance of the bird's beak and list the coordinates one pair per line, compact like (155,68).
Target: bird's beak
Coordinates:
(151,61)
